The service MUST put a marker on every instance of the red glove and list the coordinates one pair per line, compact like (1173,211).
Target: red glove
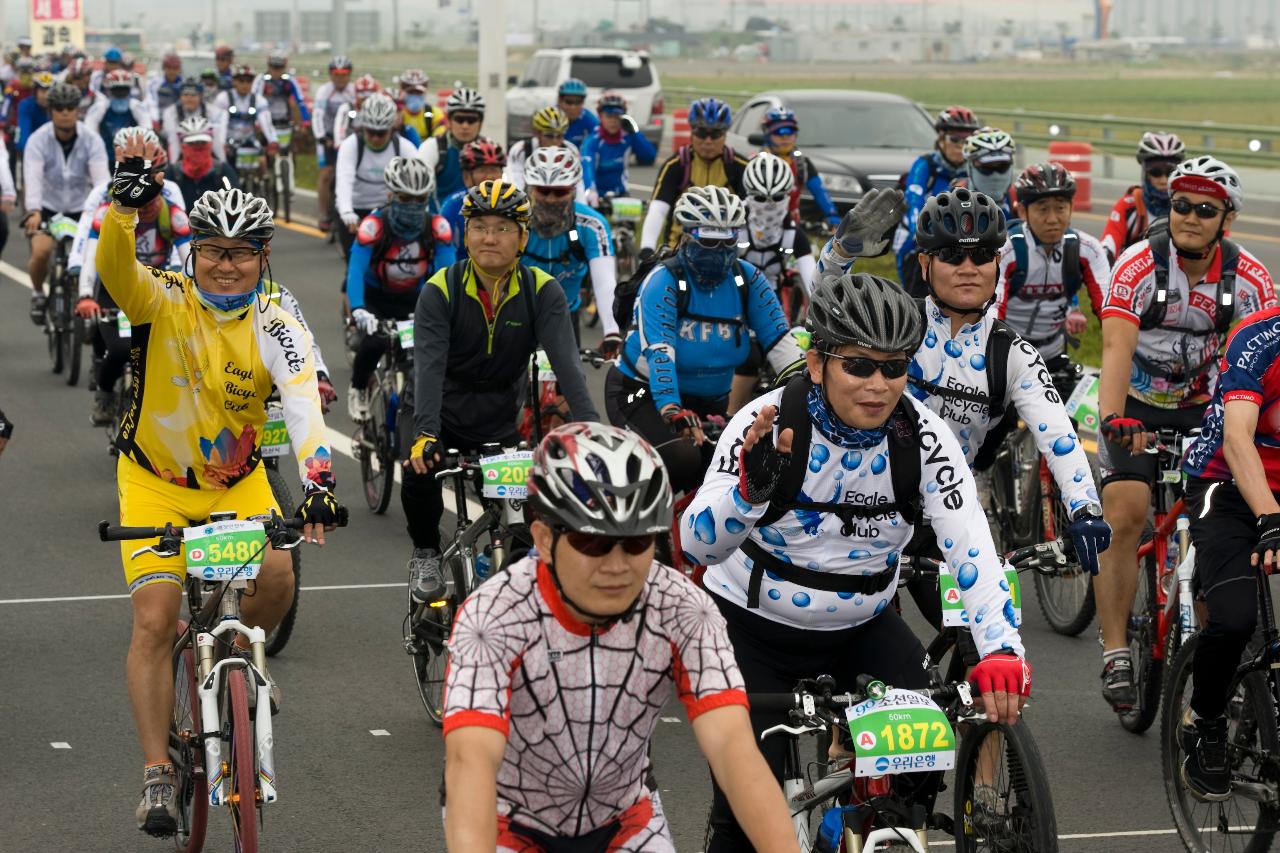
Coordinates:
(327,394)
(273,148)
(88,308)
(1002,672)
(1118,427)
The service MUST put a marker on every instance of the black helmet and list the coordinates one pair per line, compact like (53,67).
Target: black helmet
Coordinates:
(866,311)
(64,95)
(1044,180)
(960,217)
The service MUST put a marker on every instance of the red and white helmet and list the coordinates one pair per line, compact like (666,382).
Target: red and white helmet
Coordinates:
(118,79)
(414,78)
(1208,176)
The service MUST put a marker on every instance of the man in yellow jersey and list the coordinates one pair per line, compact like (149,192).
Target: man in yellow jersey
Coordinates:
(426,120)
(206,351)
(705,162)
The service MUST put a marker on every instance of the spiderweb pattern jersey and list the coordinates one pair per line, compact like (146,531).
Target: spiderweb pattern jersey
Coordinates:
(577,705)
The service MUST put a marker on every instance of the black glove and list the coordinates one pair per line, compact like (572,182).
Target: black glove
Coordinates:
(6,427)
(760,470)
(866,230)
(610,345)
(134,183)
(645,255)
(319,506)
(1118,427)
(1268,540)
(629,124)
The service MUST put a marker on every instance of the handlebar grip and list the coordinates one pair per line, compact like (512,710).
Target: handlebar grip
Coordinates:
(108,533)
(780,702)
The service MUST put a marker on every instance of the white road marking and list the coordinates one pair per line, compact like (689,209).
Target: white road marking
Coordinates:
(60,744)
(670,719)
(379,732)
(1131,833)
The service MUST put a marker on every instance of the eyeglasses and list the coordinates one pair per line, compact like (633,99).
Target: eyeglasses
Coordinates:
(955,255)
(1203,210)
(238,256)
(761,199)
(993,169)
(783,131)
(863,368)
(717,242)
(573,102)
(554,192)
(465,119)
(1161,171)
(708,132)
(590,545)
(486,231)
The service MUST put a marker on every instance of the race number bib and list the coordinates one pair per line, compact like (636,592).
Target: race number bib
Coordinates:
(545,373)
(224,550)
(404,330)
(247,158)
(62,228)
(904,732)
(627,209)
(953,613)
(1083,403)
(123,327)
(275,435)
(504,475)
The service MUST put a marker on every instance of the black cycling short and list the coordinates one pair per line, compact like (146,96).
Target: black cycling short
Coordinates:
(1116,463)
(755,359)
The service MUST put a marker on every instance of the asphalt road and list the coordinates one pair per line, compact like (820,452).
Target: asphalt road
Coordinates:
(358,762)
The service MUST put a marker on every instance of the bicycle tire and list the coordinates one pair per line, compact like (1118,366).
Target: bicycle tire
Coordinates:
(186,752)
(376,471)
(432,660)
(243,770)
(1250,702)
(75,355)
(1030,824)
(286,187)
(1066,600)
(279,636)
(1148,672)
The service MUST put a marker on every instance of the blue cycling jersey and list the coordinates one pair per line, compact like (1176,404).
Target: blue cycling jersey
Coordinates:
(30,118)
(581,127)
(696,352)
(605,158)
(451,210)
(402,266)
(928,176)
(449,174)
(565,262)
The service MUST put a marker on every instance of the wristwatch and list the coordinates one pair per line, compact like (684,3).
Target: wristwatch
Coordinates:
(1089,510)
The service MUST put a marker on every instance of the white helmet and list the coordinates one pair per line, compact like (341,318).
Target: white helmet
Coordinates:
(378,112)
(409,176)
(232,213)
(710,207)
(195,129)
(1158,145)
(464,100)
(124,134)
(768,178)
(552,166)
(989,144)
(1209,176)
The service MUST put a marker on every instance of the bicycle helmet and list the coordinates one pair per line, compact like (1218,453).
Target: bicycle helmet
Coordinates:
(956,119)
(768,176)
(573,87)
(414,78)
(210,75)
(79,68)
(462,100)
(481,152)
(778,120)
(242,72)
(277,59)
(990,145)
(223,52)
(367,85)
(25,65)
(409,176)
(960,217)
(710,113)
(593,478)
(550,121)
(1159,145)
(1208,176)
(64,96)
(118,79)
(611,102)
(193,129)
(232,213)
(190,87)
(1044,180)
(378,112)
(710,207)
(496,198)
(171,60)
(552,166)
(43,80)
(864,310)
(125,134)
(340,64)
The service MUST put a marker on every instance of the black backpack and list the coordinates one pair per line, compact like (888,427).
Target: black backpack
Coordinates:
(624,297)
(1157,237)
(1072,275)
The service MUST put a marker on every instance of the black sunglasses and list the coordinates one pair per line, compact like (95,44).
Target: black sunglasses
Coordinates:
(955,255)
(573,102)
(717,242)
(465,119)
(1160,171)
(761,199)
(1203,210)
(708,132)
(863,368)
(994,169)
(591,545)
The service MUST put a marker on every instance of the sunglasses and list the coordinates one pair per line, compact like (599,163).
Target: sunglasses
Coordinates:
(863,368)
(994,169)
(761,199)
(63,109)
(218,254)
(1203,210)
(783,131)
(708,132)
(573,102)
(1160,171)
(465,119)
(717,242)
(554,192)
(955,255)
(956,139)
(368,131)
(590,545)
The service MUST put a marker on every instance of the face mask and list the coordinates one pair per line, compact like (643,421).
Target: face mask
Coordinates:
(120,105)
(551,218)
(765,221)
(995,185)
(415,103)
(1157,201)
(708,267)
(407,219)
(196,160)
(228,302)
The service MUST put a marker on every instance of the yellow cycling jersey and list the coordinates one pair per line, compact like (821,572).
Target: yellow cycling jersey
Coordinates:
(429,122)
(196,410)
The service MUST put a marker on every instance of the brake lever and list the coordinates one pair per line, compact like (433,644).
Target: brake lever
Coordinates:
(155,549)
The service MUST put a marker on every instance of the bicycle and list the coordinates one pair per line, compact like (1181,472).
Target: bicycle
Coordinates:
(212,717)
(115,319)
(247,158)
(65,333)
(543,408)
(677,557)
(275,445)
(282,172)
(499,477)
(376,442)
(624,214)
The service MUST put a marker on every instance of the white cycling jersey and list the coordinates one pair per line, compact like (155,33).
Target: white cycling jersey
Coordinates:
(329,100)
(237,110)
(53,180)
(358,183)
(719,520)
(97,197)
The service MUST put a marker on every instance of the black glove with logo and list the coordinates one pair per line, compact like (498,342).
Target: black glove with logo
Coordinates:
(319,506)
(760,470)
(134,183)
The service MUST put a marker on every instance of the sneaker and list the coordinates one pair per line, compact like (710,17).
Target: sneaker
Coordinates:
(157,813)
(989,811)
(38,303)
(104,408)
(426,583)
(1117,684)
(1205,771)
(358,404)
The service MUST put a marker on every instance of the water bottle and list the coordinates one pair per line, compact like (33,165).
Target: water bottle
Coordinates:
(1186,569)
(484,564)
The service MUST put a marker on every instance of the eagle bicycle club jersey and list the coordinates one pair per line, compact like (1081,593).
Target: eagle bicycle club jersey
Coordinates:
(1250,370)
(1173,367)
(195,415)
(719,520)
(578,705)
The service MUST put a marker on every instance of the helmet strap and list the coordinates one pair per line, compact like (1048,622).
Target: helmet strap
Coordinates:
(598,620)
(1208,250)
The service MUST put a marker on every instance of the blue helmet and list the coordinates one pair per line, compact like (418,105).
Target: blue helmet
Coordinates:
(573,87)
(710,112)
(779,118)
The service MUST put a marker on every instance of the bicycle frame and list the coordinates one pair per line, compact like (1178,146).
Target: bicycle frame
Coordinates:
(1170,520)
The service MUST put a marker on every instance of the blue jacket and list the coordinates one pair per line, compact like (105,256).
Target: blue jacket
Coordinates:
(559,258)
(606,162)
(928,176)
(581,127)
(30,117)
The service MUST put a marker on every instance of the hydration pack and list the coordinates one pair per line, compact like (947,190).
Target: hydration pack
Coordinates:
(1072,274)
(1152,317)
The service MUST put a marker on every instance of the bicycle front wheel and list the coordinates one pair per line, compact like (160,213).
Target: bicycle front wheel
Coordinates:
(243,769)
(1239,823)
(429,648)
(76,336)
(279,636)
(376,462)
(1148,672)
(1065,597)
(1002,799)
(186,752)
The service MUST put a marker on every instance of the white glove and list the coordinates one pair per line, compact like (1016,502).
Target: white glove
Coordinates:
(364,321)
(593,197)
(349,219)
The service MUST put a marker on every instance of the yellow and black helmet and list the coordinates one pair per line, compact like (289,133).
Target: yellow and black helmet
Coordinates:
(550,121)
(496,198)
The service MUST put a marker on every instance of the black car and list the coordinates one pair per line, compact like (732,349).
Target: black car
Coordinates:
(857,140)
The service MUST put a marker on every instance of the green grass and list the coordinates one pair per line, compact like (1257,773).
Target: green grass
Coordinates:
(305,169)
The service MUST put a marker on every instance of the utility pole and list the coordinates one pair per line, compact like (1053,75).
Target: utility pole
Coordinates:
(492,65)
(295,27)
(395,24)
(339,28)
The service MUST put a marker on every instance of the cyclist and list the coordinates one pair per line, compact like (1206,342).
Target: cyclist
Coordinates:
(116,109)
(417,116)
(63,161)
(780,131)
(334,96)
(347,121)
(690,330)
(569,240)
(1045,261)
(197,169)
(705,161)
(201,455)
(510,734)
(571,98)
(607,148)
(988,155)
(362,157)
(464,116)
(549,125)
(8,197)
(17,90)
(481,160)
(279,89)
(398,246)
(248,118)
(1159,153)
(929,175)
(847,421)
(469,366)
(33,111)
(79,74)
(163,88)
(191,105)
(224,65)
(210,85)
(1163,324)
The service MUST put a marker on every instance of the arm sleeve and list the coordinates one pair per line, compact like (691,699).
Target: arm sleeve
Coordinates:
(344,176)
(290,304)
(99,171)
(642,148)
(169,126)
(264,121)
(430,354)
(1004,266)
(1113,235)
(296,93)
(8,192)
(446,256)
(807,266)
(764,312)
(666,188)
(819,192)
(317,121)
(655,218)
(1095,271)
(83,226)
(829,263)
(138,293)
(588,151)
(25,120)
(33,177)
(554,332)
(702,659)
(656,321)
(1132,284)
(604,280)
(1254,288)
(285,348)
(357,266)
(89,267)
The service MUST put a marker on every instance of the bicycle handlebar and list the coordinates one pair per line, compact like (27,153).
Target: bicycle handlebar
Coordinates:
(1047,558)
(825,702)
(108,532)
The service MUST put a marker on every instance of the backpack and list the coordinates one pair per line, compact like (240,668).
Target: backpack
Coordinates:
(624,297)
(1072,274)
(1157,237)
